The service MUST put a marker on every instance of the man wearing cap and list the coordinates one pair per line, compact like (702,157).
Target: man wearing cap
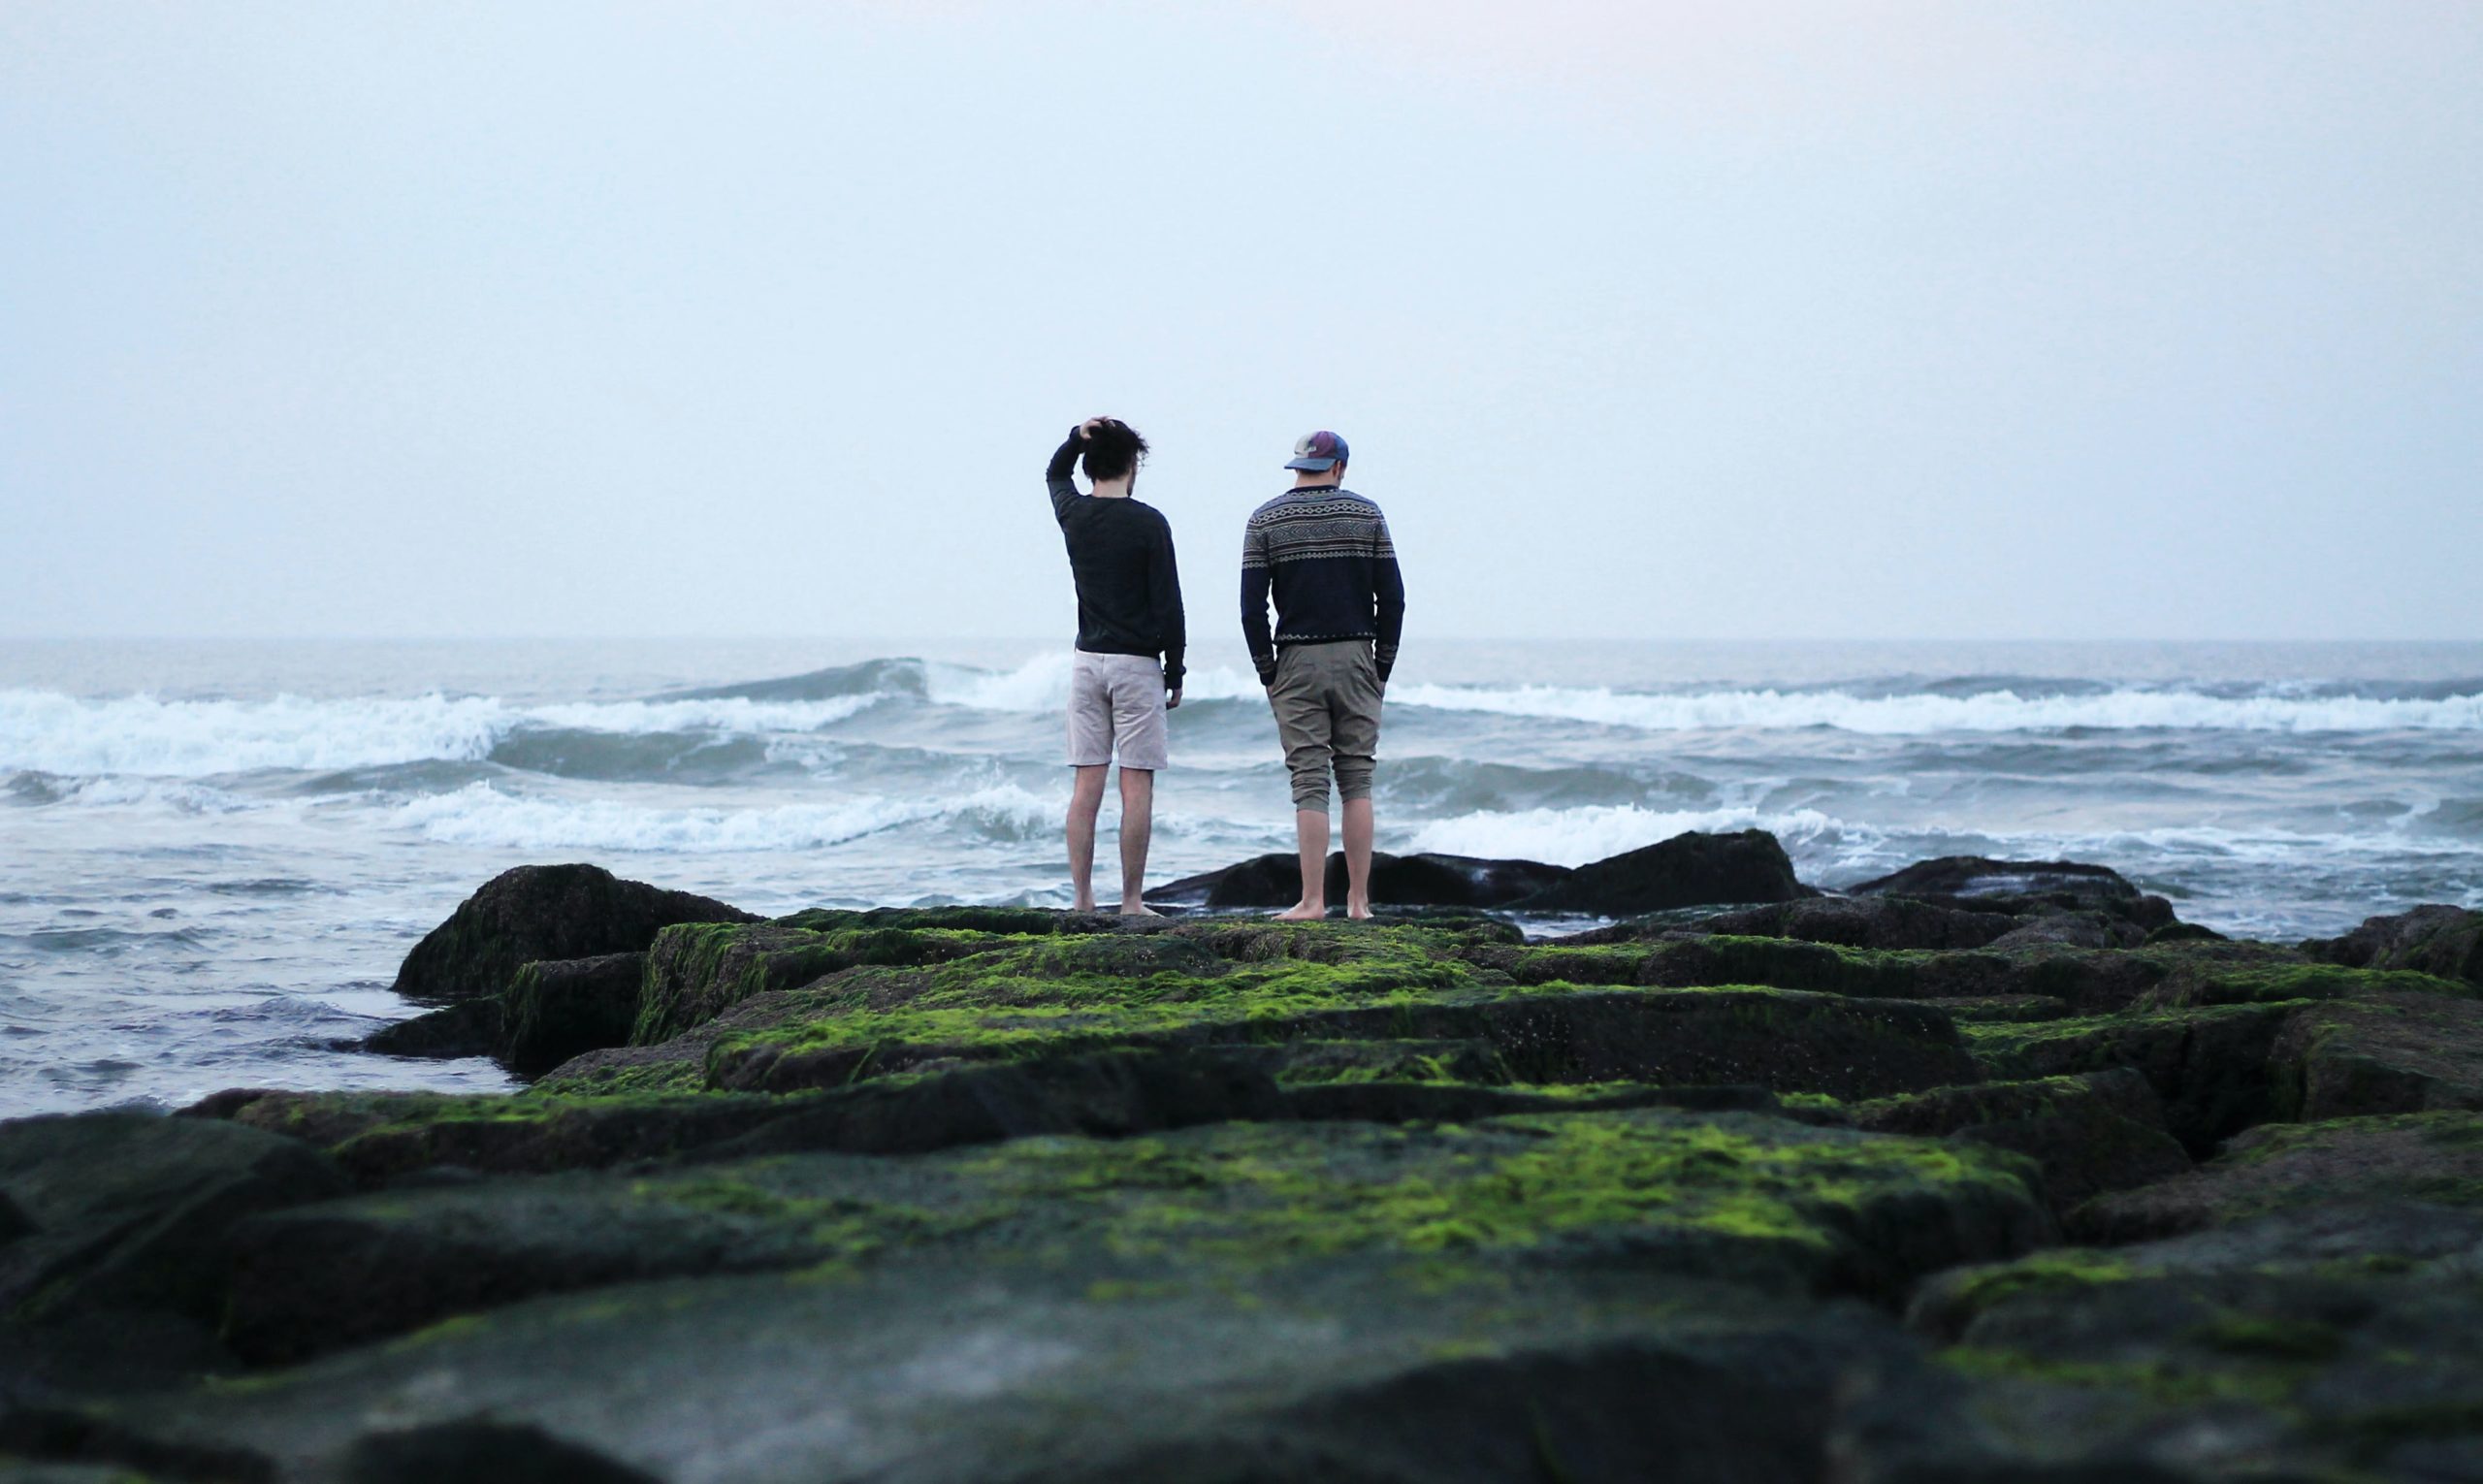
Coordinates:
(1323,553)
(1127,671)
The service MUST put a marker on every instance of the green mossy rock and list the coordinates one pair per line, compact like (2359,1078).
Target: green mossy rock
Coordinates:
(557,1011)
(2209,1065)
(2305,1346)
(2445,941)
(1342,1370)
(544,912)
(2434,1157)
(1785,1207)
(2391,1050)
(130,1211)
(2093,1133)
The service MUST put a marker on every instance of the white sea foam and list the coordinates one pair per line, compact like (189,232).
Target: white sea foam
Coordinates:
(1911,715)
(480,815)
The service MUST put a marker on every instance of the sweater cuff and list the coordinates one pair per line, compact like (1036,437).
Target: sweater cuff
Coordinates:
(1266,666)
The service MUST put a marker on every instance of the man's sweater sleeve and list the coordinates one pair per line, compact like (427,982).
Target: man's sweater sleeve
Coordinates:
(1163,594)
(1064,490)
(1388,586)
(1255,577)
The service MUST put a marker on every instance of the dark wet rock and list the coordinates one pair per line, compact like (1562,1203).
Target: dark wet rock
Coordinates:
(2026,888)
(2185,932)
(2444,941)
(1692,869)
(567,1008)
(1873,923)
(130,1210)
(2435,1158)
(477,1450)
(1396,880)
(544,912)
(1975,876)
(466,1028)
(2072,929)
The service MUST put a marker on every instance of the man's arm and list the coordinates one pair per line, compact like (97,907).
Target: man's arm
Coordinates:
(1164,593)
(1388,593)
(1064,461)
(1255,577)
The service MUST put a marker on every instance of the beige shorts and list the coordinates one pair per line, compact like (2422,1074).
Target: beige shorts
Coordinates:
(1116,702)
(1327,701)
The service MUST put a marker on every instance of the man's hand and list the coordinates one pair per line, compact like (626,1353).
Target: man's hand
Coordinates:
(1173,699)
(1087,429)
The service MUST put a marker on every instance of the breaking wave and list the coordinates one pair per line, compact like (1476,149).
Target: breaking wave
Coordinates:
(482,816)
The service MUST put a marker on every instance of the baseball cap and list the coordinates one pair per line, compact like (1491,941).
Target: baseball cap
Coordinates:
(1319,451)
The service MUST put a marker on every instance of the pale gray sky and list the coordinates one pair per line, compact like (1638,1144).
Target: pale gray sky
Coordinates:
(1646,318)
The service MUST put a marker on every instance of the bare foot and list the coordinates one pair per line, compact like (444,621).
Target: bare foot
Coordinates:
(1083,904)
(1359,912)
(1139,910)
(1304,912)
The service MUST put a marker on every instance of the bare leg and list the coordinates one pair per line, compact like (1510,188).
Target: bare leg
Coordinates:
(1358,831)
(1138,825)
(1310,835)
(1085,801)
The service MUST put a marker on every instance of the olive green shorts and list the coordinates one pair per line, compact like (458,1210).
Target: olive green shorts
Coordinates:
(1325,698)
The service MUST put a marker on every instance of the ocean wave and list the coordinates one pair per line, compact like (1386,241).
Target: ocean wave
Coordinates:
(47,732)
(63,736)
(1993,711)
(481,815)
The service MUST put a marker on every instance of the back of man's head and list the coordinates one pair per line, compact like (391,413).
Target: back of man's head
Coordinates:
(1114,450)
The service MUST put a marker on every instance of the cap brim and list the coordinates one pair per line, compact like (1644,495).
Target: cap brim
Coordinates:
(1313,465)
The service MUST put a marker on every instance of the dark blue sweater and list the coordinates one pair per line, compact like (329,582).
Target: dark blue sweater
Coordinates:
(1323,554)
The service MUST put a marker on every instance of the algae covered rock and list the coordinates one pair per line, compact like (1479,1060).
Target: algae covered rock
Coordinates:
(2434,1157)
(1782,1206)
(544,912)
(2333,1342)
(2446,941)
(131,1209)
(2094,1132)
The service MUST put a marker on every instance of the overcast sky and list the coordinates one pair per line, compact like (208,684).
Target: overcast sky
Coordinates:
(1645,318)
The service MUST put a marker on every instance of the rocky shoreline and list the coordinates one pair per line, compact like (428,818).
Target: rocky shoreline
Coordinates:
(1985,1171)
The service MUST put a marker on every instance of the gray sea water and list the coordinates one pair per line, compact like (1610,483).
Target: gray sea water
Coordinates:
(214,855)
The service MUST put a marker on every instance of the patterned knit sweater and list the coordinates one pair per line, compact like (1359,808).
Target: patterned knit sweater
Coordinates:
(1325,555)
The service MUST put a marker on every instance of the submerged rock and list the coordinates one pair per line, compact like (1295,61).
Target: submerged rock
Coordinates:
(544,912)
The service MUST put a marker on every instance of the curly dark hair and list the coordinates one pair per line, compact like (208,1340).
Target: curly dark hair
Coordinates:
(1114,449)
